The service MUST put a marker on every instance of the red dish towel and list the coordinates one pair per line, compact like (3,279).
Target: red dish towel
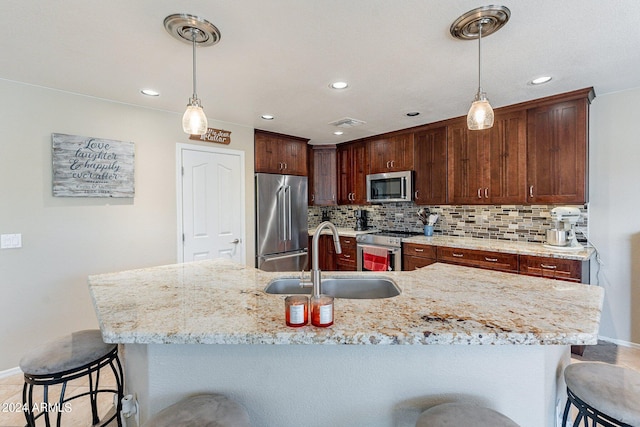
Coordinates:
(375,259)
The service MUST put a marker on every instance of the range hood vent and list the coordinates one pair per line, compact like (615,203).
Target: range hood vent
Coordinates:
(347,122)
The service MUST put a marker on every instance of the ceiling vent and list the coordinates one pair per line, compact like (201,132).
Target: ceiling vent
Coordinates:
(347,122)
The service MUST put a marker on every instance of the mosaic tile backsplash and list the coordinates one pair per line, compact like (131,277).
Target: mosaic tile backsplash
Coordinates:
(506,222)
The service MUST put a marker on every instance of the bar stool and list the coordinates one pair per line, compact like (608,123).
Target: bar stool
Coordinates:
(63,359)
(608,395)
(462,414)
(203,410)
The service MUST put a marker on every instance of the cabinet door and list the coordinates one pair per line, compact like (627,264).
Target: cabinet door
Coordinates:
(557,153)
(268,157)
(324,175)
(410,263)
(465,168)
(505,144)
(353,167)
(379,155)
(344,161)
(360,169)
(430,163)
(401,153)
(294,157)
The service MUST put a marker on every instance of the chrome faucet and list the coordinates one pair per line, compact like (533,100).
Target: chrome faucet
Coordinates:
(316,279)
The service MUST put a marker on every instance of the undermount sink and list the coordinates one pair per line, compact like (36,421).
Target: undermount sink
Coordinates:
(340,287)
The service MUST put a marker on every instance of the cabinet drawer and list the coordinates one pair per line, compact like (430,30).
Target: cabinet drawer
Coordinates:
(348,244)
(418,250)
(553,268)
(482,259)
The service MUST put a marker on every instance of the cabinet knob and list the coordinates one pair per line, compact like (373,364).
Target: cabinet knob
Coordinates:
(548,266)
(457,255)
(531,191)
(479,193)
(491,259)
(415,195)
(486,193)
(418,250)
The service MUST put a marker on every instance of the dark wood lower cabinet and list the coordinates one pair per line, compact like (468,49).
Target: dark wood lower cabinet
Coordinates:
(346,261)
(415,256)
(482,259)
(554,268)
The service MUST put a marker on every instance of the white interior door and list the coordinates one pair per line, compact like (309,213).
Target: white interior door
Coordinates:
(211,202)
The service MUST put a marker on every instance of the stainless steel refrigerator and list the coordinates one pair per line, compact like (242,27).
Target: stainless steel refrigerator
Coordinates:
(281,222)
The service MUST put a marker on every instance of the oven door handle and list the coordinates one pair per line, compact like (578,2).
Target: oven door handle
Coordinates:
(388,248)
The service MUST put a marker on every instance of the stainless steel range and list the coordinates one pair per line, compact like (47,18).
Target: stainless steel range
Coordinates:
(391,241)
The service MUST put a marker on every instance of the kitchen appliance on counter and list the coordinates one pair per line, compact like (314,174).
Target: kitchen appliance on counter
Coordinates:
(563,234)
(382,251)
(361,220)
(281,222)
(390,187)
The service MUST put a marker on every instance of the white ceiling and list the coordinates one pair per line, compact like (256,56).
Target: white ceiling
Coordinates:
(279,56)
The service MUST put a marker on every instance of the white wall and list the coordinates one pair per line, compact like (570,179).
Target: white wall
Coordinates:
(614,209)
(43,285)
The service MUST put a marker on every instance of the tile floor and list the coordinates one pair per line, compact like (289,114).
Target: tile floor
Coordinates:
(79,412)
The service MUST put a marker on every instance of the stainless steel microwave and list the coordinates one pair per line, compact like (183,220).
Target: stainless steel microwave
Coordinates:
(390,187)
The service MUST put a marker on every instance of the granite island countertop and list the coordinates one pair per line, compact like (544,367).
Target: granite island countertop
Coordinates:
(220,302)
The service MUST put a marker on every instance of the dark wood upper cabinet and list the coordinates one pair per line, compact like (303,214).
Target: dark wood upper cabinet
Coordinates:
(557,150)
(488,166)
(277,153)
(430,165)
(323,188)
(391,154)
(465,162)
(353,167)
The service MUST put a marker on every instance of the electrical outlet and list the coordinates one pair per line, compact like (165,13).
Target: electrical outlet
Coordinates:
(10,241)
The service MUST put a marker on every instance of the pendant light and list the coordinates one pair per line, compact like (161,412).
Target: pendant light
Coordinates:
(195,31)
(474,24)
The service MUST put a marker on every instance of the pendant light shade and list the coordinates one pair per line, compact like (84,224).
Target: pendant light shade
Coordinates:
(194,121)
(480,115)
(196,31)
(472,25)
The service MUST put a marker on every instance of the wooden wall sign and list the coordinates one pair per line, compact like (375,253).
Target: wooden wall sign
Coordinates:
(91,167)
(214,135)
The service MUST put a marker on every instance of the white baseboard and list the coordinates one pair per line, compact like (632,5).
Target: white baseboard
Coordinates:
(10,372)
(620,342)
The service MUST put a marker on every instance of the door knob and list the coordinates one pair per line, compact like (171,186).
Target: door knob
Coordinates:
(235,241)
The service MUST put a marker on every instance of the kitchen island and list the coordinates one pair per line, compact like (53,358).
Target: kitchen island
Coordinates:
(454,333)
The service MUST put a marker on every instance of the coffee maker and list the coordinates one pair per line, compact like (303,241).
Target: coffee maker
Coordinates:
(361,220)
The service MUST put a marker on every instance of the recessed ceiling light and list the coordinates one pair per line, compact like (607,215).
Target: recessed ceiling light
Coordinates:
(338,132)
(150,92)
(413,113)
(338,85)
(267,117)
(540,80)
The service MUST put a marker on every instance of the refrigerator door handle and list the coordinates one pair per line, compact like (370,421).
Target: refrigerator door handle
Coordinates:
(282,221)
(287,193)
(279,257)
